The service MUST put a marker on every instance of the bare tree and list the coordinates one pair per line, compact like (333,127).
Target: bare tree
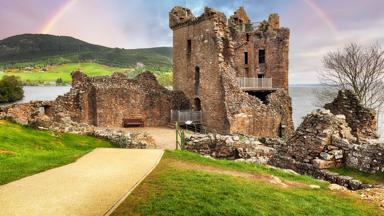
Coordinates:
(359,69)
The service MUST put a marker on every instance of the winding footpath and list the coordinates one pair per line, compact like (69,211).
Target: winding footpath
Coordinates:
(93,185)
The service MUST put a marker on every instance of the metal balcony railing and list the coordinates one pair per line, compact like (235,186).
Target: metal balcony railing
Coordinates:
(186,115)
(247,83)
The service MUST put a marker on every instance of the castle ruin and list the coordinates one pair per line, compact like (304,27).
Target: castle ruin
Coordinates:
(234,71)
(230,77)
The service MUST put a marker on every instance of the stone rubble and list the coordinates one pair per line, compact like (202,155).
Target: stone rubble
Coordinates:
(322,141)
(240,148)
(373,195)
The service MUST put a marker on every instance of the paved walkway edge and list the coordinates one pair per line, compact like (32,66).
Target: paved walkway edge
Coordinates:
(118,202)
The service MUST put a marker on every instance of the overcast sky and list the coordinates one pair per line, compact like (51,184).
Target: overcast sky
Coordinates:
(317,26)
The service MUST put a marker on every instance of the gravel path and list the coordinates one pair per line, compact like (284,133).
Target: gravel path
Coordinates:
(165,138)
(93,185)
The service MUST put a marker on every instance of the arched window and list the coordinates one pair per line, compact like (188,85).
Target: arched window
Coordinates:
(197,104)
(197,79)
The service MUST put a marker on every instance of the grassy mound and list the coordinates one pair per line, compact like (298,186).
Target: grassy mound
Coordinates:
(25,151)
(188,184)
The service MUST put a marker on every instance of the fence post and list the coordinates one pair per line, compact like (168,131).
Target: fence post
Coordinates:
(178,116)
(177,135)
(182,140)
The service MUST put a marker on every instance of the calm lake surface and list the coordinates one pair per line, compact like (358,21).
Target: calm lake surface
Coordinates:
(303,99)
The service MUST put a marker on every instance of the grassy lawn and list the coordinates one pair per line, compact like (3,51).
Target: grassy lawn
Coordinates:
(25,151)
(36,76)
(188,184)
(364,177)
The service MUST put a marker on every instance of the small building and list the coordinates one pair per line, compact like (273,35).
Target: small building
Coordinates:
(234,71)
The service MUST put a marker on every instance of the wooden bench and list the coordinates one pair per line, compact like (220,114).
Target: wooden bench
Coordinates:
(133,121)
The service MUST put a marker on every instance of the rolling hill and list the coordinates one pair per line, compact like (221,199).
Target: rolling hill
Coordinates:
(43,49)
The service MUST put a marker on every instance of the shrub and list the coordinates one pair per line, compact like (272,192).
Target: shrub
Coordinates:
(59,82)
(11,89)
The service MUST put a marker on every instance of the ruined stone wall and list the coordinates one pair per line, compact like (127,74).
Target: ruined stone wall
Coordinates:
(106,101)
(262,151)
(24,113)
(230,147)
(360,119)
(323,141)
(368,158)
(248,115)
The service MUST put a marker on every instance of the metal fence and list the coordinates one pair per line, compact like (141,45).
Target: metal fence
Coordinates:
(255,83)
(186,115)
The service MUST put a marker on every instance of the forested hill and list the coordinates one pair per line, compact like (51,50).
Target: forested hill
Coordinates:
(50,49)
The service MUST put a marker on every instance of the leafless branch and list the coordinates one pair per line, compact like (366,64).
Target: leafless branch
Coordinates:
(357,68)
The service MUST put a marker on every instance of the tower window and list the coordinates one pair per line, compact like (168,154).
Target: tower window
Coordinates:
(245,57)
(247,36)
(197,79)
(261,56)
(189,48)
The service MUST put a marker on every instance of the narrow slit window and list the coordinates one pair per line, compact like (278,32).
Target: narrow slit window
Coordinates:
(261,56)
(189,48)
(247,35)
(197,80)
(245,57)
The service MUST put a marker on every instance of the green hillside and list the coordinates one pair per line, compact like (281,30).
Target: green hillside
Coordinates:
(41,49)
(49,75)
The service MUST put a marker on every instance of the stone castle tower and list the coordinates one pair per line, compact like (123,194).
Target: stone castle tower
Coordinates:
(261,49)
(234,72)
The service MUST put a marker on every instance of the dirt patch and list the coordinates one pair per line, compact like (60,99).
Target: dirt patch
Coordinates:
(5,151)
(258,177)
(374,195)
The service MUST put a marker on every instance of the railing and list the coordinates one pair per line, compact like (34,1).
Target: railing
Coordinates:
(186,115)
(255,83)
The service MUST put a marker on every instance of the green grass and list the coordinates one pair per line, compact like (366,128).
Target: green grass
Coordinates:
(242,166)
(26,151)
(175,190)
(364,177)
(63,71)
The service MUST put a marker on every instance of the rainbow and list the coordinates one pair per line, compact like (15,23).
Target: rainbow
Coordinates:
(322,14)
(47,26)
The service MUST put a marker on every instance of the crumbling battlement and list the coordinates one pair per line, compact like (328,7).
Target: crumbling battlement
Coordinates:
(180,17)
(360,119)
(207,68)
(106,101)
